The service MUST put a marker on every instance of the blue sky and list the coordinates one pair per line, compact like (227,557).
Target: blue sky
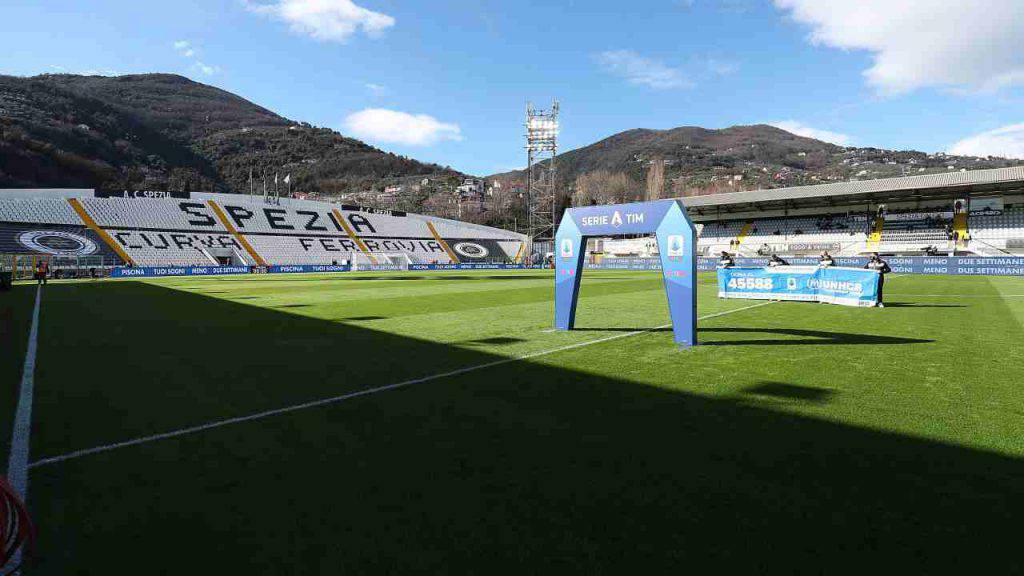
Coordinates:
(447,80)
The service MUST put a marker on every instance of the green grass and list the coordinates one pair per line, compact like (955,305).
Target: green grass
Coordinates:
(798,437)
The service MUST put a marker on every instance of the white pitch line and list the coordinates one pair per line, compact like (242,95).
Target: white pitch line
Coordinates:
(351,395)
(17,460)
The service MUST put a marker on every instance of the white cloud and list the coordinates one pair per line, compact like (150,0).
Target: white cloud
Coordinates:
(721,67)
(394,127)
(641,70)
(806,131)
(205,68)
(185,49)
(375,89)
(962,44)
(327,20)
(1007,142)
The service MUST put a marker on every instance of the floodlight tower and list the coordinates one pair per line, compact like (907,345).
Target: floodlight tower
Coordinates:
(541,148)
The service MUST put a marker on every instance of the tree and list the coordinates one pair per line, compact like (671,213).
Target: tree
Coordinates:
(604,187)
(655,179)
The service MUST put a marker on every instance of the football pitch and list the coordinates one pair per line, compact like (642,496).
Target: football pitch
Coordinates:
(434,423)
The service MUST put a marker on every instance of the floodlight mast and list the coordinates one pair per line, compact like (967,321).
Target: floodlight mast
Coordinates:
(541,148)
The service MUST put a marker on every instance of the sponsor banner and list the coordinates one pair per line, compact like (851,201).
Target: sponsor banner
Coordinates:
(630,264)
(471,266)
(916,216)
(308,268)
(620,219)
(379,267)
(161,271)
(843,286)
(815,247)
(942,265)
(141,194)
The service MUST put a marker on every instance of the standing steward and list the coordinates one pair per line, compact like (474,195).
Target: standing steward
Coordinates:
(826,260)
(726,261)
(876,263)
(42,270)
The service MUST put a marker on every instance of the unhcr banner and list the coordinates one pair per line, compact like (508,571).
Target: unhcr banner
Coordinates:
(843,286)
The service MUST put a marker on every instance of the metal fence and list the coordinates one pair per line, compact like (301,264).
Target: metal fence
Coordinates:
(22,266)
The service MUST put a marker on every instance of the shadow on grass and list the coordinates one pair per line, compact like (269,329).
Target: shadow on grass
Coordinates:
(499,340)
(518,468)
(790,392)
(921,305)
(817,337)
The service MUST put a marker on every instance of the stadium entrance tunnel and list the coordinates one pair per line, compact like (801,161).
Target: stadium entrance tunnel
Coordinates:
(501,470)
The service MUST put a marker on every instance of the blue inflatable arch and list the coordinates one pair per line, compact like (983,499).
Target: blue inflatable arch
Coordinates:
(677,246)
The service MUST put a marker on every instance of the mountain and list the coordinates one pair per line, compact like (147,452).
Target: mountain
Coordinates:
(166,132)
(705,161)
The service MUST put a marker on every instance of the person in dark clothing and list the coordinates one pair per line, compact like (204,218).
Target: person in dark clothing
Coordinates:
(826,260)
(776,260)
(726,261)
(876,263)
(41,270)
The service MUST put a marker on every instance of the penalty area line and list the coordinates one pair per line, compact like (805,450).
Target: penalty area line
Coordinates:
(349,396)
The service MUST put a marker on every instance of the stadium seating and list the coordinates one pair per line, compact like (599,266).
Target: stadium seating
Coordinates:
(210,229)
(141,213)
(783,235)
(1003,232)
(1009,224)
(38,211)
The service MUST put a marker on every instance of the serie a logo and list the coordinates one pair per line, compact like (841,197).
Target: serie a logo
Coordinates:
(566,248)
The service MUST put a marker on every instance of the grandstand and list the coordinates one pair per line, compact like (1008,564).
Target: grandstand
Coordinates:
(204,229)
(977,212)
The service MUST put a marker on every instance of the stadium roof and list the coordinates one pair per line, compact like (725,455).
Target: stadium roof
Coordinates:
(928,186)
